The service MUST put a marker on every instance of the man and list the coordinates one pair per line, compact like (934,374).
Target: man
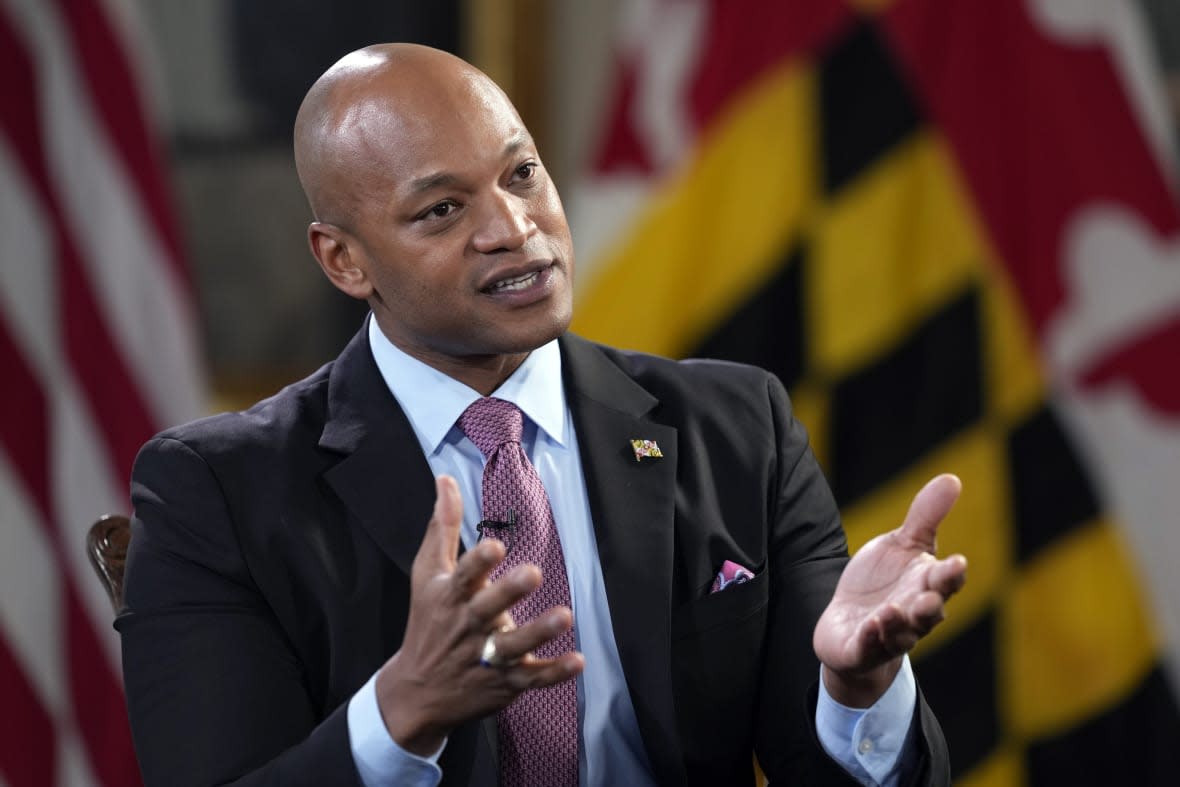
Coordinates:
(296,614)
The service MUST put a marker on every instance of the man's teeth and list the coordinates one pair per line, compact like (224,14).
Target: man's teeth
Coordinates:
(518,283)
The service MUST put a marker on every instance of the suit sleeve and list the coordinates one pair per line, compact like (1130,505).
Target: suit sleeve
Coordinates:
(214,691)
(807,553)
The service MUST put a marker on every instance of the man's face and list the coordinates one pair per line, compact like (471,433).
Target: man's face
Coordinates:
(458,226)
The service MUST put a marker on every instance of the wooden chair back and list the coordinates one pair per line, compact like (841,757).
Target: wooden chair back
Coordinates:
(106,546)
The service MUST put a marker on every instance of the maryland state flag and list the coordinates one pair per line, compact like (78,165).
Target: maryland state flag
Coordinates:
(948,227)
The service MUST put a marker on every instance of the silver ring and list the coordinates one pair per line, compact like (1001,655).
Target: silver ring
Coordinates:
(488,657)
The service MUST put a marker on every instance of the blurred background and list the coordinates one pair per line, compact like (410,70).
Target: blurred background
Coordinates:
(950,228)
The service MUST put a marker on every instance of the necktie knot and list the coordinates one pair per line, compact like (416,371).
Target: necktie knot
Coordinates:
(491,422)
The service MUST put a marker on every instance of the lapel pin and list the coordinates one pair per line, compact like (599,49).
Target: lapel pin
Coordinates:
(646,449)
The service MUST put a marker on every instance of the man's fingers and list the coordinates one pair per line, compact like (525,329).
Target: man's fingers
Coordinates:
(926,612)
(440,545)
(539,673)
(473,568)
(502,595)
(948,576)
(896,634)
(518,642)
(930,507)
(892,631)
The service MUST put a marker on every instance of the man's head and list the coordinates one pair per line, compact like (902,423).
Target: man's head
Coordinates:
(432,204)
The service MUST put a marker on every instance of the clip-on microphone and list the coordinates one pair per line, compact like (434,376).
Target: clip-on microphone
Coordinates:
(494,524)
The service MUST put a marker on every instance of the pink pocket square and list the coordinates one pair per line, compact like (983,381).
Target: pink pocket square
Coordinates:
(730,574)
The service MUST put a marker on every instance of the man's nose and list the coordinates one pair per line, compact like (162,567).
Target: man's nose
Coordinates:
(505,224)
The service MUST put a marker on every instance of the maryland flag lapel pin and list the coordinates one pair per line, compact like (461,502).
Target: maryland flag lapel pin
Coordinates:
(646,449)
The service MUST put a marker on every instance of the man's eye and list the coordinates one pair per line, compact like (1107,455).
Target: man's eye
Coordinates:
(526,170)
(440,211)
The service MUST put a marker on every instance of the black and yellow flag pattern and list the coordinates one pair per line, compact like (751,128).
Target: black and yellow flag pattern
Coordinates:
(823,229)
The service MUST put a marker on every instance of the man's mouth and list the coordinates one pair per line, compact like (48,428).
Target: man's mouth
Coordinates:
(515,283)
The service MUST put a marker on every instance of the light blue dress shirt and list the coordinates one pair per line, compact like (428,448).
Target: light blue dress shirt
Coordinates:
(610,749)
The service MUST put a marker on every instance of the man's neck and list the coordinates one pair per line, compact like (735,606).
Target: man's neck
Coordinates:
(483,373)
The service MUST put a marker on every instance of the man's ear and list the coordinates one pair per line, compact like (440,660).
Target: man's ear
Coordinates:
(334,251)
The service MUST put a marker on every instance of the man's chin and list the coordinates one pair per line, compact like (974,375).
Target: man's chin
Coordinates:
(495,342)
(527,337)
(516,345)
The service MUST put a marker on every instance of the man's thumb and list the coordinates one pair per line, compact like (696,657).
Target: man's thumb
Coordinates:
(931,505)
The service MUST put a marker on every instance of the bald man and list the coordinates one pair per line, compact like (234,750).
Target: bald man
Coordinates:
(308,596)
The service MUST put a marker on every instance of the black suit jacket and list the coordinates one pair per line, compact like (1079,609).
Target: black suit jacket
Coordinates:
(268,576)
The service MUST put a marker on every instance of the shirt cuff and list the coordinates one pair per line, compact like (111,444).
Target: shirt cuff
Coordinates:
(379,760)
(870,742)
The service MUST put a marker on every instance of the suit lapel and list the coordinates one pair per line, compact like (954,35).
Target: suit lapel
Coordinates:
(383,478)
(632,505)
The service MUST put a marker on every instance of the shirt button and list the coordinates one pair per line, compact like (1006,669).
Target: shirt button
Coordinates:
(865,746)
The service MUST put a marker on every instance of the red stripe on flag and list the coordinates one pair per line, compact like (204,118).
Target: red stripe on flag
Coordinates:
(113,88)
(24,428)
(1040,129)
(117,405)
(1148,363)
(118,408)
(28,742)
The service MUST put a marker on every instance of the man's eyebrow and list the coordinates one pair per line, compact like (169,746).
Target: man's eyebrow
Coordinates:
(518,141)
(440,179)
(428,182)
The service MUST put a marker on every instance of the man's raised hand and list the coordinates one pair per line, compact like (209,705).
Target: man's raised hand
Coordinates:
(435,681)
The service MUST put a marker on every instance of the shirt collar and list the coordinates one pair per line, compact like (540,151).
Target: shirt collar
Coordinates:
(433,401)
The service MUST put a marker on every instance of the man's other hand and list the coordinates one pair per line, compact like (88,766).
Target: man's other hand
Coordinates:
(890,595)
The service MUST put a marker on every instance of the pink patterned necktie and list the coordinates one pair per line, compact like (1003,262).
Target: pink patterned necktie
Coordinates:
(539,730)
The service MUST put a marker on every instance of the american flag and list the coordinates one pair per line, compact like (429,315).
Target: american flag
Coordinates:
(98,350)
